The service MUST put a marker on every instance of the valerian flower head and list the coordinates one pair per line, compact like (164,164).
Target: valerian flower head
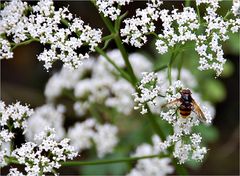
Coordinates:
(45,156)
(137,27)
(15,172)
(178,27)
(14,115)
(149,89)
(91,132)
(236,7)
(155,91)
(182,127)
(98,82)
(111,8)
(153,166)
(42,23)
(46,116)
(183,26)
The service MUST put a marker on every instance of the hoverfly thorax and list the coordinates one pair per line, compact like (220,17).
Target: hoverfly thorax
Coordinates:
(186,96)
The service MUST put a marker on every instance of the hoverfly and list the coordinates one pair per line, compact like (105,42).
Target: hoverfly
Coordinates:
(187,105)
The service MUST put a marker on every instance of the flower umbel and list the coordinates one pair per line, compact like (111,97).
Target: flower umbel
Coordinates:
(41,23)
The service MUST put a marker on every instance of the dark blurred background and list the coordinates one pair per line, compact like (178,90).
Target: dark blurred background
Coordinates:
(23,78)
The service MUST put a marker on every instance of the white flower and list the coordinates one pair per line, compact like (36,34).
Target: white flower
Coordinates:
(183,26)
(149,89)
(153,166)
(178,27)
(81,134)
(46,116)
(65,79)
(182,127)
(42,23)
(14,172)
(103,136)
(5,49)
(109,8)
(137,27)
(46,155)
(105,139)
(98,82)
(236,7)
(15,114)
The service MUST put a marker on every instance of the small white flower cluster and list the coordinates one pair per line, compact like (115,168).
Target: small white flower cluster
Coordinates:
(154,85)
(110,8)
(182,129)
(14,116)
(40,156)
(103,136)
(45,156)
(15,172)
(137,27)
(236,7)
(180,27)
(42,23)
(209,45)
(183,150)
(182,126)
(97,82)
(5,49)
(11,117)
(153,166)
(46,116)
(213,3)
(149,89)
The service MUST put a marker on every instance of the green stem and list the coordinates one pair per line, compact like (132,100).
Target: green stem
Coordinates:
(80,163)
(187,3)
(119,44)
(179,168)
(11,160)
(121,71)
(160,68)
(198,13)
(24,43)
(180,66)
(170,68)
(126,60)
(227,15)
(155,124)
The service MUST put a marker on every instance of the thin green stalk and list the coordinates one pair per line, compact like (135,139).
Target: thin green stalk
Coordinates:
(121,71)
(187,3)
(126,60)
(160,68)
(227,15)
(108,37)
(180,66)
(110,161)
(11,160)
(119,44)
(198,13)
(24,43)
(170,68)
(155,124)
(105,20)
(179,168)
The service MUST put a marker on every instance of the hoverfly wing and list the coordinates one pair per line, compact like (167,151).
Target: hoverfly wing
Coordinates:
(171,103)
(198,111)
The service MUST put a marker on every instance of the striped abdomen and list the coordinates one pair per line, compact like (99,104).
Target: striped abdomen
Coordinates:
(185,109)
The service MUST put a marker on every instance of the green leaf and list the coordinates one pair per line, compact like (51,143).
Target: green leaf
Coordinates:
(213,90)
(228,69)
